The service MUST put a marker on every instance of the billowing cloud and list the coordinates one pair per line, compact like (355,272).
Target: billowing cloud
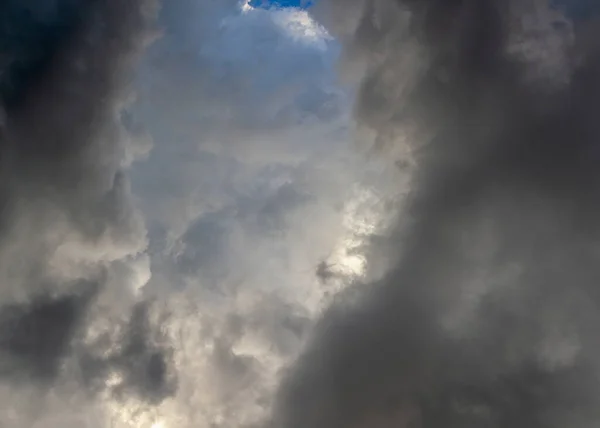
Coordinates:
(487,318)
(169,209)
(175,222)
(252,183)
(73,240)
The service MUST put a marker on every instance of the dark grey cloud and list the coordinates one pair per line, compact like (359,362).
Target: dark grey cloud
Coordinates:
(141,358)
(145,360)
(70,233)
(36,335)
(31,31)
(488,317)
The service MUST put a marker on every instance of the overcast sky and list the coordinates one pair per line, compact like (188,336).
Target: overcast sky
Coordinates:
(344,213)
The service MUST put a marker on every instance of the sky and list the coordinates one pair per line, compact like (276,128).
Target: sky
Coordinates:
(285,215)
(281,3)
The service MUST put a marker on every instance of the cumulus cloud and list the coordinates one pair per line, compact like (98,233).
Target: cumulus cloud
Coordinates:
(252,182)
(487,318)
(166,253)
(166,207)
(73,240)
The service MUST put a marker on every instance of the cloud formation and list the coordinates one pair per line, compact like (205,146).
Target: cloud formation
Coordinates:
(183,297)
(251,183)
(72,238)
(488,316)
(166,208)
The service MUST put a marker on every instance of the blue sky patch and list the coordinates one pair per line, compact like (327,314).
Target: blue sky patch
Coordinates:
(281,3)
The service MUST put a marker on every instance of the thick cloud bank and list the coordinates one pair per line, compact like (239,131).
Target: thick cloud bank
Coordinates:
(489,317)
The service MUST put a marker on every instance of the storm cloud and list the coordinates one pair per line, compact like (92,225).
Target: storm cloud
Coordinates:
(488,317)
(181,298)
(72,240)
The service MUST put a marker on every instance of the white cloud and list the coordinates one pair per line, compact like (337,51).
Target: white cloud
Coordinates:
(252,182)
